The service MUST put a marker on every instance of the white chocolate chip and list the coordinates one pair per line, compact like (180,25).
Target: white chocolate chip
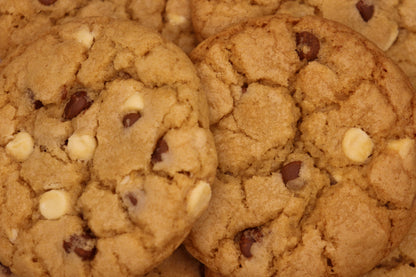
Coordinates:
(198,199)
(81,147)
(357,145)
(84,36)
(134,103)
(21,146)
(54,203)
(402,146)
(176,19)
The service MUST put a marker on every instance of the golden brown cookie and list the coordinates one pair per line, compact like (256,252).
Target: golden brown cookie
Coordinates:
(315,132)
(401,262)
(24,20)
(106,158)
(391,25)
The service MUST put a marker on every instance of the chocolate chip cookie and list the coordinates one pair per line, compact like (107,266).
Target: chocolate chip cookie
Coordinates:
(315,133)
(391,25)
(106,158)
(401,262)
(24,20)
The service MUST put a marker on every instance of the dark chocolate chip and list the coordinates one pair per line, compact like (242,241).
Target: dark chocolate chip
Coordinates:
(82,245)
(38,104)
(248,237)
(161,147)
(130,119)
(366,9)
(47,2)
(78,102)
(132,198)
(307,46)
(290,171)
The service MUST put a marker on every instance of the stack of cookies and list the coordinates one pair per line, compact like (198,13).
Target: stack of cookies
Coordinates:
(207,138)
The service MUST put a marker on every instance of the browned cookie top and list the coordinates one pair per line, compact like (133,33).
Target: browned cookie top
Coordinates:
(391,25)
(24,20)
(315,133)
(105,152)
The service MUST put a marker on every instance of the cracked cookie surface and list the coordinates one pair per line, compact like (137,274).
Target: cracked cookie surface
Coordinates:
(391,25)
(315,133)
(105,152)
(22,21)
(400,262)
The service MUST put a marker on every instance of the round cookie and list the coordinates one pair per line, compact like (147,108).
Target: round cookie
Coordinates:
(105,152)
(391,25)
(315,134)
(22,21)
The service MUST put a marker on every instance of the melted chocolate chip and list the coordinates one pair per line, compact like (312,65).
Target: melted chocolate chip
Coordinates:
(38,104)
(130,119)
(47,2)
(290,171)
(78,102)
(366,9)
(161,147)
(82,245)
(307,46)
(248,237)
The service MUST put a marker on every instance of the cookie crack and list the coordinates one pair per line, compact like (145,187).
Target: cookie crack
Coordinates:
(383,90)
(243,195)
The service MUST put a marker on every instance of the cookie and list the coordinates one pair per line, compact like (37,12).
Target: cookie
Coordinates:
(389,24)
(105,152)
(179,264)
(315,133)
(400,262)
(23,21)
